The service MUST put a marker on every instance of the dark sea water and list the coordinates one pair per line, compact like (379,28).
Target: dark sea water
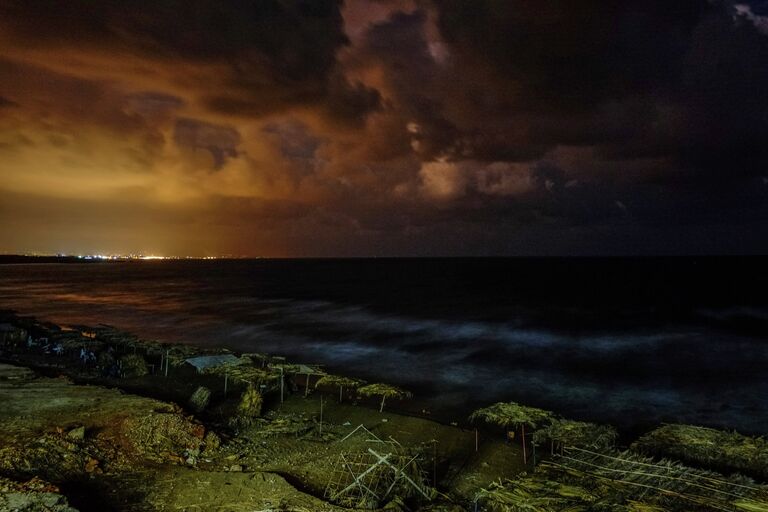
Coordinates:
(634,342)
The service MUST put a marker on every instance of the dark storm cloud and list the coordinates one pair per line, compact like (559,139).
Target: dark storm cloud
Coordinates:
(570,55)
(152,105)
(663,101)
(403,126)
(6,103)
(220,141)
(294,139)
(350,102)
(240,57)
(678,79)
(295,39)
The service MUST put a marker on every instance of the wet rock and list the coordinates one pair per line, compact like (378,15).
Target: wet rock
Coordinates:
(211,442)
(9,372)
(158,433)
(200,399)
(91,465)
(34,495)
(77,433)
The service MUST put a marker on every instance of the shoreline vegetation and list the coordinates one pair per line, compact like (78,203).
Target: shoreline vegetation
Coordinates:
(95,418)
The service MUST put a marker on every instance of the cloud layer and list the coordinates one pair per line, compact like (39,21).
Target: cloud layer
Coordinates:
(384,127)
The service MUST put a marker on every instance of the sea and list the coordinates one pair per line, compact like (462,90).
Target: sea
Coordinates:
(634,342)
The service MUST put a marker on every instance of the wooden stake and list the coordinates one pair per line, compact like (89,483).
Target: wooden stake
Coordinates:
(321,414)
(522,438)
(477,441)
(226,379)
(434,465)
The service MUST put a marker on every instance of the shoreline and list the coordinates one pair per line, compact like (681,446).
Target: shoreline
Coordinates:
(297,409)
(418,406)
(170,388)
(294,442)
(489,341)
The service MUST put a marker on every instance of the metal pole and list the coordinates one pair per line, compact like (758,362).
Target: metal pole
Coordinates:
(477,441)
(321,414)
(281,384)
(166,363)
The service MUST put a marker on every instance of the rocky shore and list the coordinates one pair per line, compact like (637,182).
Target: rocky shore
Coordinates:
(96,419)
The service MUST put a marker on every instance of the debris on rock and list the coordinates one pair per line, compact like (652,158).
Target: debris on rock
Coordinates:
(35,495)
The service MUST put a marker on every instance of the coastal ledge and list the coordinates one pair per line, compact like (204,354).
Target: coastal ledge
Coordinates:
(96,422)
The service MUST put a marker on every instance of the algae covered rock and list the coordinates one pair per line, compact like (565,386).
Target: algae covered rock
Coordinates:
(105,359)
(211,442)
(34,495)
(133,365)
(248,409)
(51,455)
(162,435)
(199,399)
(77,433)
(708,447)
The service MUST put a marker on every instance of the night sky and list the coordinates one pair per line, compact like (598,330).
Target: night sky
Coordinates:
(382,128)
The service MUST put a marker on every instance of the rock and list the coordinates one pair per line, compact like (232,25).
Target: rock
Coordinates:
(91,466)
(34,495)
(200,399)
(211,441)
(77,433)
(236,468)
(156,433)
(8,372)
